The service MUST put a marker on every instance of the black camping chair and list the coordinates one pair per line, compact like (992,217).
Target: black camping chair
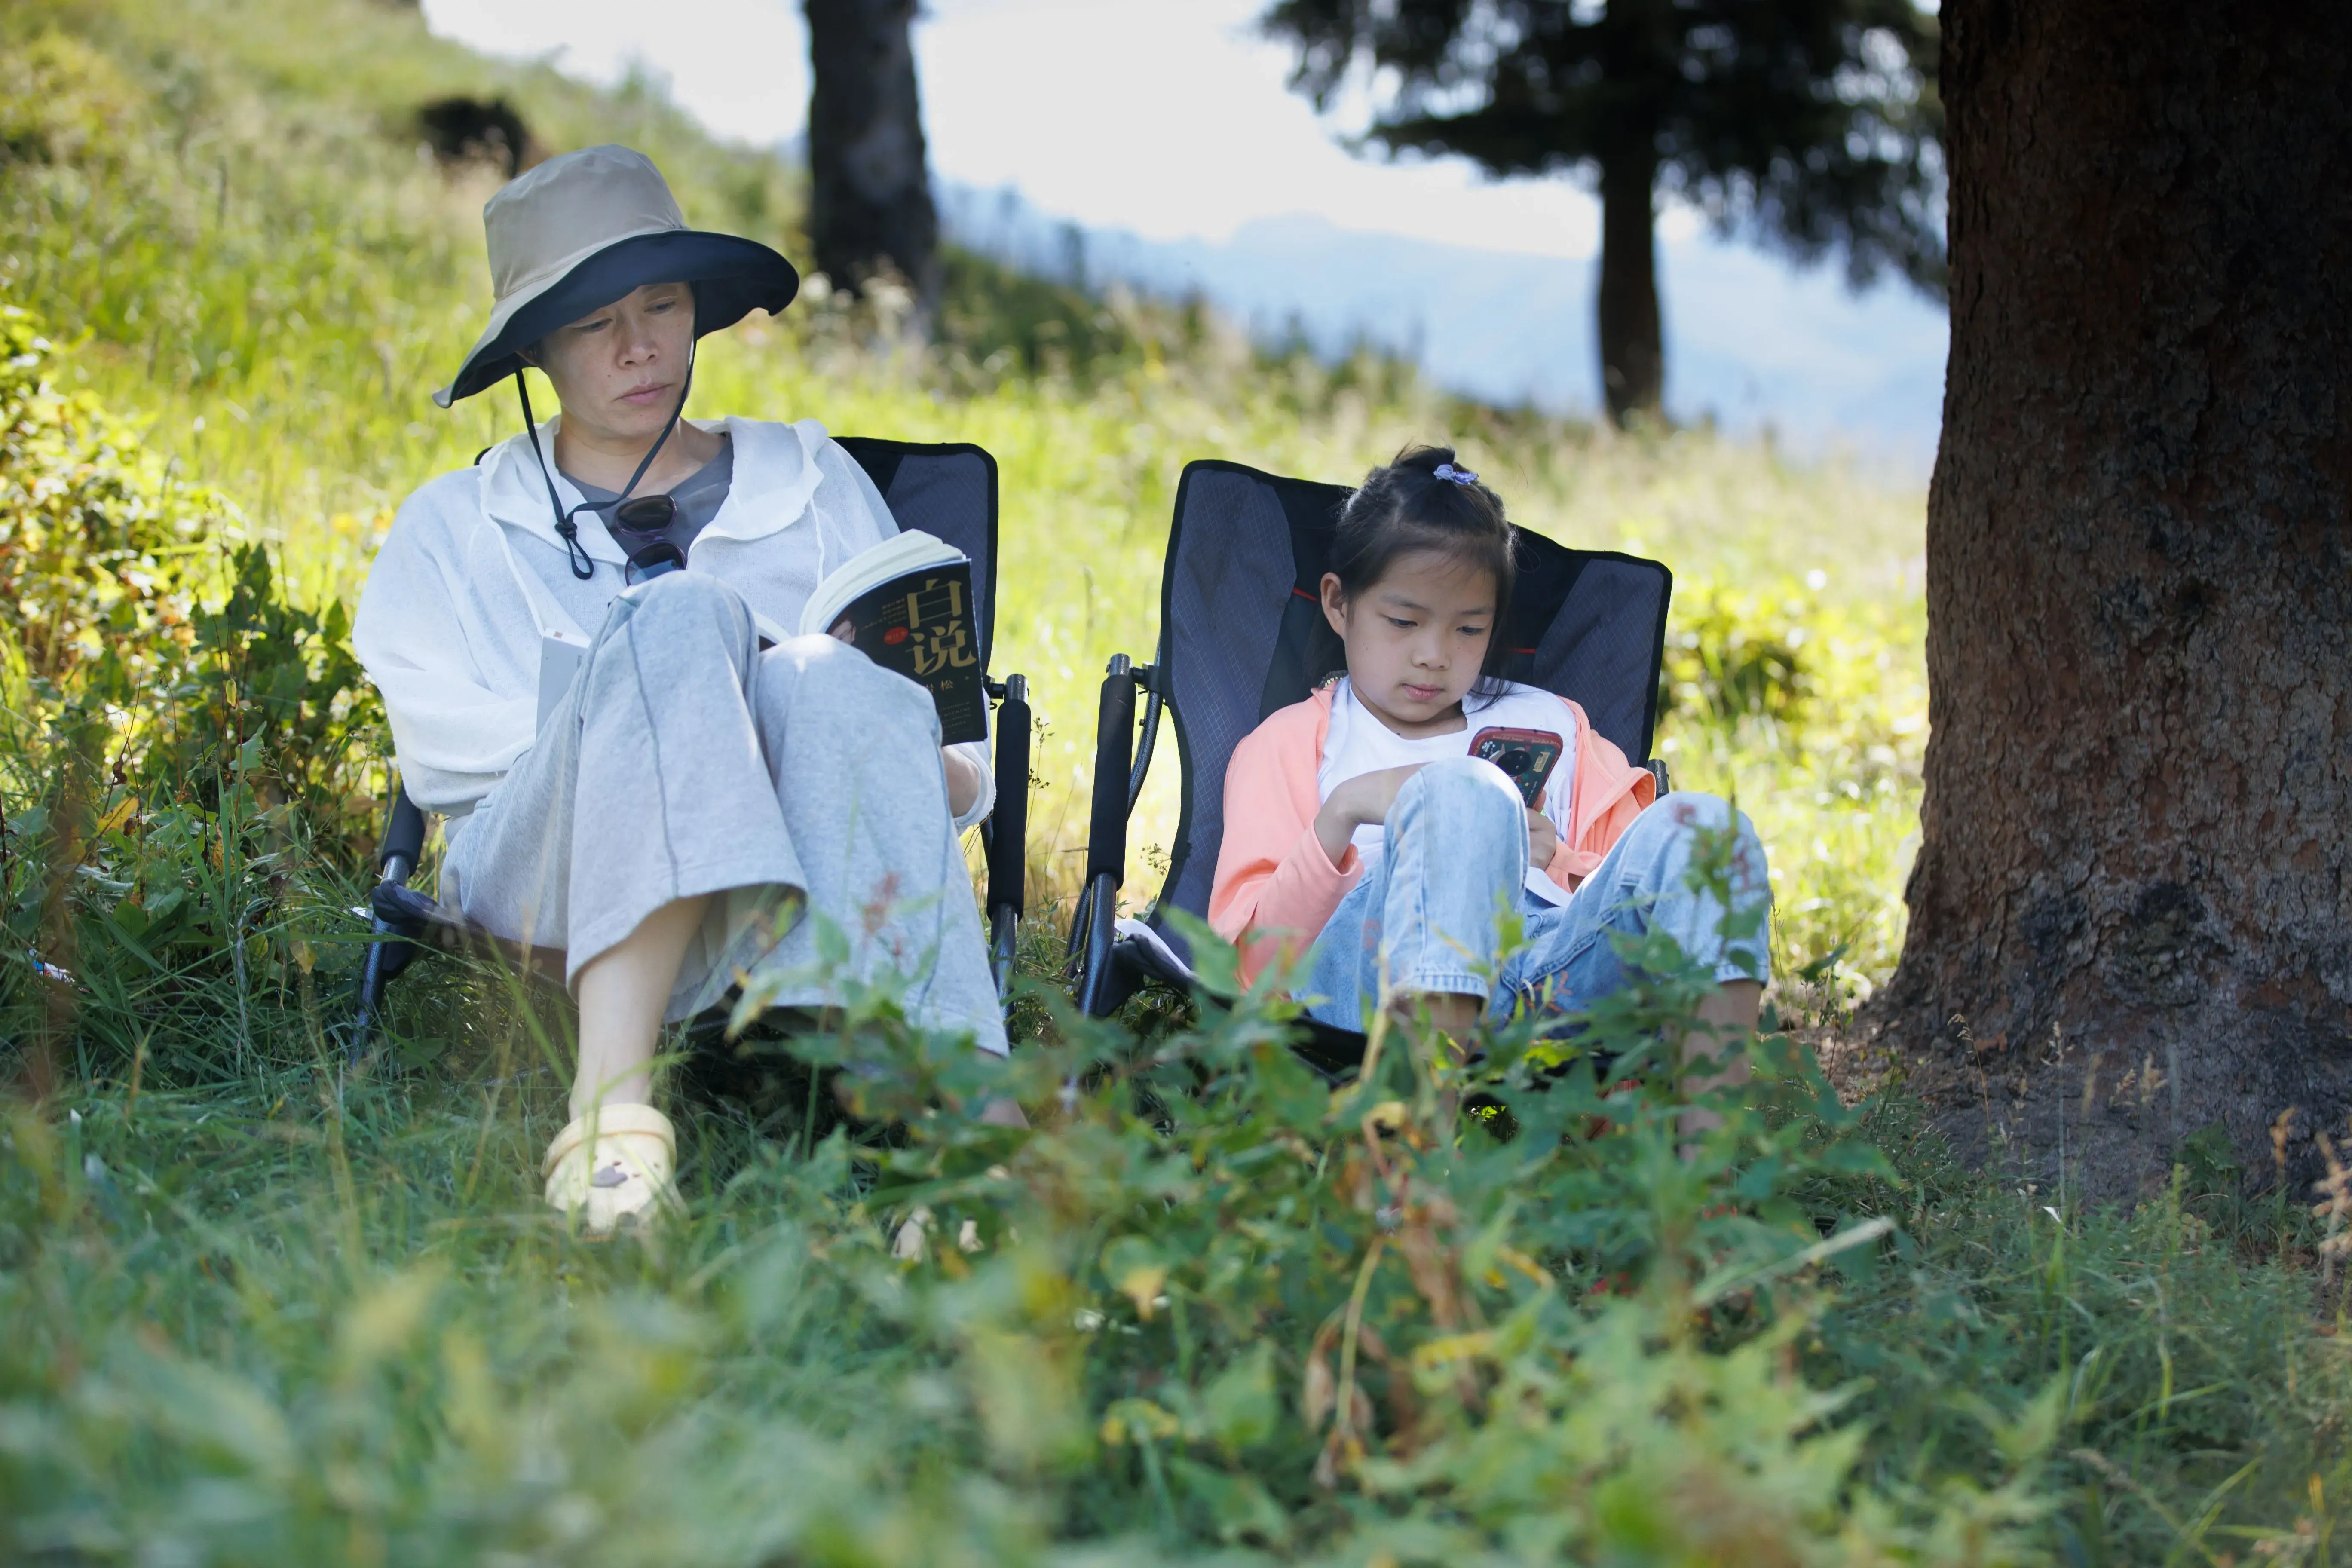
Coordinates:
(948,491)
(1239,613)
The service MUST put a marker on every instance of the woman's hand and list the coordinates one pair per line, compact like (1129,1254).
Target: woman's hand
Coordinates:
(964,780)
(1356,802)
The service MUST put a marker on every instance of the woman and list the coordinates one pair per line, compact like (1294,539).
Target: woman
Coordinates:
(708,790)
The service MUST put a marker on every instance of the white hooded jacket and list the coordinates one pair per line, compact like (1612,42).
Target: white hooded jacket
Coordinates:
(450,621)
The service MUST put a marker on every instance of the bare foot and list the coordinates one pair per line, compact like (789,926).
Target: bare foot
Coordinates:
(1449,1021)
(1444,1012)
(1725,1019)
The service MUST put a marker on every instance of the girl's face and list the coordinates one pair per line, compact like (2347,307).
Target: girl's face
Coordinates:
(1416,639)
(617,371)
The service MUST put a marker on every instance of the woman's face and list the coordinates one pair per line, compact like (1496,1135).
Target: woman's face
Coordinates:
(619,371)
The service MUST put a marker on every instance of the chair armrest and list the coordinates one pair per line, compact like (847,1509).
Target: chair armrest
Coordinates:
(1008,823)
(1006,831)
(404,838)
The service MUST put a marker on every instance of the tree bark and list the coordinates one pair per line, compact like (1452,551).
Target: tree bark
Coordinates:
(870,210)
(1632,354)
(2132,883)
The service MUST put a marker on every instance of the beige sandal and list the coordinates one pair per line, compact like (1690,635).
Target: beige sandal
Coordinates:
(612,1167)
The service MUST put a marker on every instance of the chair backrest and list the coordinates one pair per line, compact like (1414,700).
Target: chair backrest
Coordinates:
(948,490)
(1240,610)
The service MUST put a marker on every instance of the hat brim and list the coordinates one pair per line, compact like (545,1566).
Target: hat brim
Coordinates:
(731,278)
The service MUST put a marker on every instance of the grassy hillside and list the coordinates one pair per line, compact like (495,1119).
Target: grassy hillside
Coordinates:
(263,1310)
(243,243)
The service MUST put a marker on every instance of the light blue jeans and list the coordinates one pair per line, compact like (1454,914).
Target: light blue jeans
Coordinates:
(1425,918)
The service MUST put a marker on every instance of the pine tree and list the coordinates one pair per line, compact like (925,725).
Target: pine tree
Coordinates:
(1811,124)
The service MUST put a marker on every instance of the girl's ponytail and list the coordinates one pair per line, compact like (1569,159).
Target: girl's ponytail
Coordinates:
(1426,500)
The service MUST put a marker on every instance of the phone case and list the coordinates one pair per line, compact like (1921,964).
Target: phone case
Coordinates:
(1528,755)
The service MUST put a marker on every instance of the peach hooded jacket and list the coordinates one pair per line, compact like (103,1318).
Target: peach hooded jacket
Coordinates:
(1276,888)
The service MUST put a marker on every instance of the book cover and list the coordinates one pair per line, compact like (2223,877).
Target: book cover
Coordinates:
(923,624)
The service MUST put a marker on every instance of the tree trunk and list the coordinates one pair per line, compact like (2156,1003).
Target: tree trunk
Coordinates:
(870,210)
(2135,877)
(1633,357)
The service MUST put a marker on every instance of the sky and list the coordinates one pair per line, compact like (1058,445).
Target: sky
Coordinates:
(1167,129)
(1016,93)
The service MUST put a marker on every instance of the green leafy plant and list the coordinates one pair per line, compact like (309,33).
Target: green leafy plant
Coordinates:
(1214,1303)
(272,693)
(101,547)
(186,745)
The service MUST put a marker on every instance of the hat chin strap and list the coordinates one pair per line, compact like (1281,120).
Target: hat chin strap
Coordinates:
(582,566)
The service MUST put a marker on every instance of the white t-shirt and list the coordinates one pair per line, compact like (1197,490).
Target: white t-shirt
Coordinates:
(1359,743)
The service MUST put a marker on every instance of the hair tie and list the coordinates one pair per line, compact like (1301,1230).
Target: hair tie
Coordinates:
(1459,475)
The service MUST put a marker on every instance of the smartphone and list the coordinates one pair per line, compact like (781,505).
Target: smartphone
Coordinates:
(1528,755)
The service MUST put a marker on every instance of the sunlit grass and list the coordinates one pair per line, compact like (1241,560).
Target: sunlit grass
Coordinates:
(261,1309)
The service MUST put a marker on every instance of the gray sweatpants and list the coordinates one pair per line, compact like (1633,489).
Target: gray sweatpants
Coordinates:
(802,784)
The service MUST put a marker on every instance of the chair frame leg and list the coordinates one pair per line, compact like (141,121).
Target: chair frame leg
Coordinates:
(376,974)
(1101,935)
(396,861)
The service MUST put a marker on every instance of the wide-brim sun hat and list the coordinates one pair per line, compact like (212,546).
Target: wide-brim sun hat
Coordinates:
(587,228)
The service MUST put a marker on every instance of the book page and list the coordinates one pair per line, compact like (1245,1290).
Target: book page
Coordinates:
(900,555)
(560,658)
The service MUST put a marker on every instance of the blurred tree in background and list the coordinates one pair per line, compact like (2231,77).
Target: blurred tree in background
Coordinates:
(1813,125)
(870,210)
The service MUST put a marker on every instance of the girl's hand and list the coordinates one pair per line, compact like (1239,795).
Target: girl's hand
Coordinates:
(1543,838)
(1360,801)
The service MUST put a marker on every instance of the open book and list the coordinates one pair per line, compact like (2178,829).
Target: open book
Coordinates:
(909,604)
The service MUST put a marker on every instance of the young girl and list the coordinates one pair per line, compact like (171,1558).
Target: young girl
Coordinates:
(1358,821)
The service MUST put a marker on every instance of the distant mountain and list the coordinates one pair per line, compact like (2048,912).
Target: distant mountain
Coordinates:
(1749,341)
